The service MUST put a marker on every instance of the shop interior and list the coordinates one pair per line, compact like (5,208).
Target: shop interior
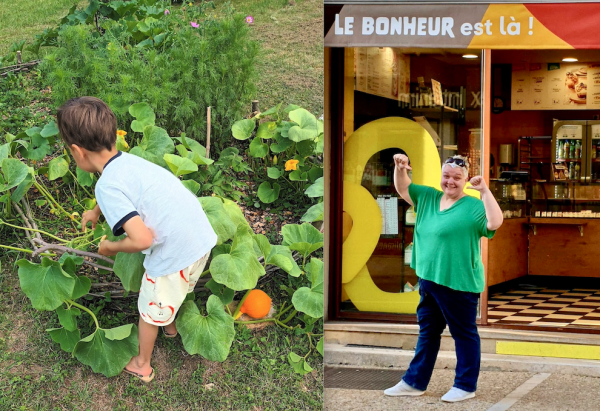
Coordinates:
(543,265)
(454,126)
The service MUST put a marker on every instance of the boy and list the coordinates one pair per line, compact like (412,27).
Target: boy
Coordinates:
(161,218)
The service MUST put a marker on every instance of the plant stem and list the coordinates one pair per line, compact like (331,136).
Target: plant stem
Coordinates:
(86,310)
(239,306)
(284,311)
(205,273)
(34,230)
(49,197)
(288,319)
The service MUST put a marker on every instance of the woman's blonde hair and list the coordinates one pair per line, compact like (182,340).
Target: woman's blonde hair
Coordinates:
(465,168)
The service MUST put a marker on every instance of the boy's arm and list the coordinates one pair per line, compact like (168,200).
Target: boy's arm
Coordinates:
(139,238)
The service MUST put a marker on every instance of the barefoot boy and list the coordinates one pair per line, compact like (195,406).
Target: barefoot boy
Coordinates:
(161,218)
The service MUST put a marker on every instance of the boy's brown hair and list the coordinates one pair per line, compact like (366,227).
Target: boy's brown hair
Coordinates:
(87,122)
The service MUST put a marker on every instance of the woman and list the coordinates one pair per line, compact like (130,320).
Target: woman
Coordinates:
(447,259)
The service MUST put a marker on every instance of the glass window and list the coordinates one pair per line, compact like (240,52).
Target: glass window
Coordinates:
(423,103)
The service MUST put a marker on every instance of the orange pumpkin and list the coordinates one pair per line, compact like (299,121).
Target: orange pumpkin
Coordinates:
(257,304)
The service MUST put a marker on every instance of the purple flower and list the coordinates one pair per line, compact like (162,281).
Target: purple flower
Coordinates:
(249,19)
(167,12)
(194,24)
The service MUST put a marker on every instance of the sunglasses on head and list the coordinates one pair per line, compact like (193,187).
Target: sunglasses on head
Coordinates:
(458,161)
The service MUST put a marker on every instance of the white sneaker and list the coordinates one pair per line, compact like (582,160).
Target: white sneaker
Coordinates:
(456,395)
(402,389)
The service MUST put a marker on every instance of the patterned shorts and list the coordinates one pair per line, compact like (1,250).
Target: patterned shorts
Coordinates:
(161,297)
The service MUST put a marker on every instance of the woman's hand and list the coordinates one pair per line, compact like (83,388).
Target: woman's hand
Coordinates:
(478,183)
(401,161)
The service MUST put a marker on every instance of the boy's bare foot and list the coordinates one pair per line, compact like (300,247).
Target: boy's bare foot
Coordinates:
(170,330)
(138,367)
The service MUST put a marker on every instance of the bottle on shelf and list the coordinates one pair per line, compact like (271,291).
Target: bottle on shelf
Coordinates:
(577,170)
(572,150)
(598,150)
(571,171)
(566,149)
(560,152)
(578,149)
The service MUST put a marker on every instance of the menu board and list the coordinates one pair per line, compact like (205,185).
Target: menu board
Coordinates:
(555,86)
(382,71)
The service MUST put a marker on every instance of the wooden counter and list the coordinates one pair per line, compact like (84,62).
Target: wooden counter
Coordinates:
(507,251)
(565,247)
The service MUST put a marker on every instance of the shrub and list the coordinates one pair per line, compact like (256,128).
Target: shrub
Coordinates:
(163,60)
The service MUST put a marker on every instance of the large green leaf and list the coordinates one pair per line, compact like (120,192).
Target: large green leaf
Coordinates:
(263,244)
(156,142)
(283,143)
(310,300)
(82,287)
(234,212)
(191,185)
(315,190)
(240,269)
(258,149)
(4,151)
(66,338)
(219,218)
(38,148)
(242,129)
(315,173)
(211,335)
(14,173)
(274,172)
(144,116)
(271,111)
(45,284)
(57,168)
(306,127)
(303,238)
(225,294)
(49,130)
(268,194)
(281,256)
(108,351)
(130,270)
(266,130)
(68,318)
(179,165)
(315,213)
(84,178)
(23,187)
(298,175)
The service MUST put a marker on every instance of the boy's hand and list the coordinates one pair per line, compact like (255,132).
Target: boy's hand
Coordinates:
(105,249)
(90,215)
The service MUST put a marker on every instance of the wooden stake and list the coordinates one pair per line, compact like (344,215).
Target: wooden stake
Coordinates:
(19,61)
(208,132)
(255,109)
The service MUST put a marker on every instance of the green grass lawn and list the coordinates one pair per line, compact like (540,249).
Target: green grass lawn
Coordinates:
(36,375)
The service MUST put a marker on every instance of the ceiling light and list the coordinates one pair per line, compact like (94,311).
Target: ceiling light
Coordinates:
(470,56)
(569,59)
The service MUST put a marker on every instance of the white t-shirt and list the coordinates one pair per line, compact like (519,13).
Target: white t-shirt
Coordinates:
(131,186)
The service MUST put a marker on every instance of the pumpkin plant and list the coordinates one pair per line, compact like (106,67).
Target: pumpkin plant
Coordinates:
(289,149)
(58,283)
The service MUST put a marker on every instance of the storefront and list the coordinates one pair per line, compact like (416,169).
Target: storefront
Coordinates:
(516,88)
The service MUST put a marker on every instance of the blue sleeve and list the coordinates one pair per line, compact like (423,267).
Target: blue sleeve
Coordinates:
(115,206)
(418,193)
(481,221)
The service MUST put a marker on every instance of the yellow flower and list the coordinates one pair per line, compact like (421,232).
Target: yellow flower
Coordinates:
(190,4)
(121,133)
(291,165)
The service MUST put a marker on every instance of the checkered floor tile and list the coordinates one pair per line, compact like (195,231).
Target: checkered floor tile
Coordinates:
(546,307)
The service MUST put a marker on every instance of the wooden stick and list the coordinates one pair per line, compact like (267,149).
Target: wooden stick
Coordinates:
(255,108)
(208,132)
(19,60)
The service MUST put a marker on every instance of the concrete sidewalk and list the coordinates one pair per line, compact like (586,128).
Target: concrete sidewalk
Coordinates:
(556,392)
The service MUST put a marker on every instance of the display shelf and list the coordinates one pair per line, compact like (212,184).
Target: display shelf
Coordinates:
(579,222)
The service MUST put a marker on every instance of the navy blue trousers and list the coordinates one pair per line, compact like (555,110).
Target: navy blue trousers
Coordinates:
(439,306)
